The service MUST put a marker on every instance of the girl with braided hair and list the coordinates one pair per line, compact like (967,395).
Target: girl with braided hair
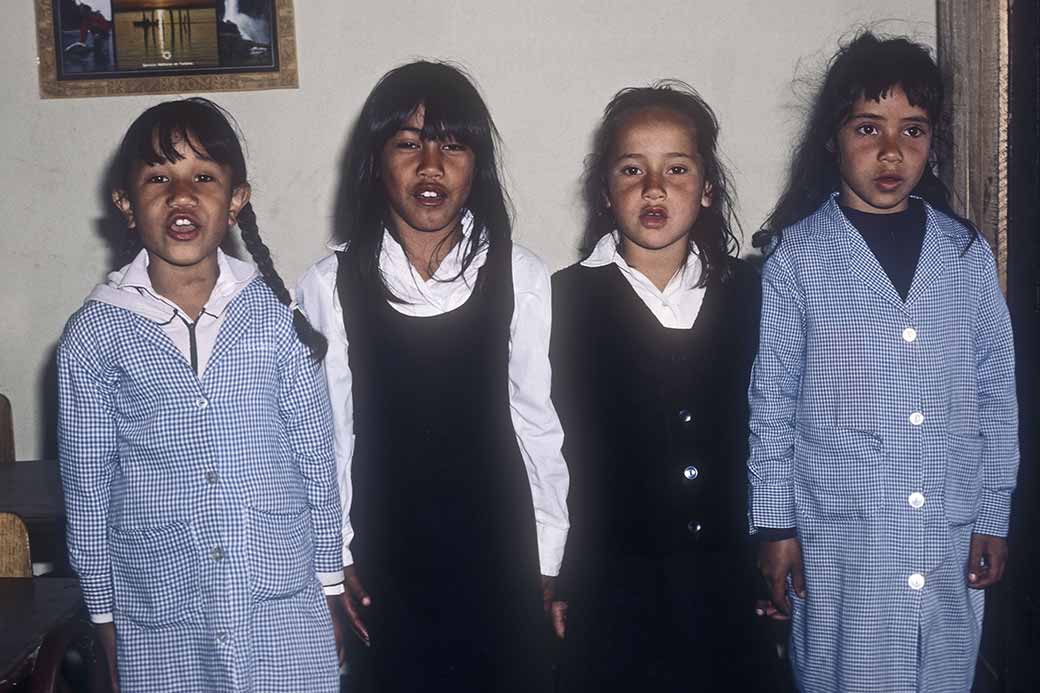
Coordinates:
(196,438)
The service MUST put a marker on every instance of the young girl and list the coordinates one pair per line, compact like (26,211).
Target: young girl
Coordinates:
(653,338)
(883,416)
(447,444)
(195,435)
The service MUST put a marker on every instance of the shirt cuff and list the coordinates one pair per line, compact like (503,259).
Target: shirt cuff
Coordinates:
(994,513)
(333,578)
(772,505)
(333,590)
(101,618)
(551,542)
(774,533)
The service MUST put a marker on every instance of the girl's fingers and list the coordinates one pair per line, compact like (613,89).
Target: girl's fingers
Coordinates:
(357,624)
(355,587)
(559,619)
(798,578)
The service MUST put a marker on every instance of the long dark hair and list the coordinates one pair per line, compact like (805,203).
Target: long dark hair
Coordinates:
(453,109)
(212,134)
(868,67)
(712,233)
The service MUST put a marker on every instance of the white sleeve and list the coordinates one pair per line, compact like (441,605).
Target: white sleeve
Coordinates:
(538,429)
(317,297)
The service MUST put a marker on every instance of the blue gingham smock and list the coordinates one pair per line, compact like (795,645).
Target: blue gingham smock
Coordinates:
(886,433)
(200,510)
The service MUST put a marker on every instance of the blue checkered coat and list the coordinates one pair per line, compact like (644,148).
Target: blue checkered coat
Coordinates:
(851,414)
(200,511)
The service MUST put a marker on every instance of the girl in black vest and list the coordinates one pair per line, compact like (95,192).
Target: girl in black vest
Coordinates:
(653,338)
(448,447)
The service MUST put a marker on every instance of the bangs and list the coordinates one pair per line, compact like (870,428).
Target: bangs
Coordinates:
(452,107)
(200,124)
(871,69)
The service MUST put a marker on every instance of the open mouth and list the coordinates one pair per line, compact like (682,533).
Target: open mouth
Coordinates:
(653,217)
(430,195)
(888,182)
(183,227)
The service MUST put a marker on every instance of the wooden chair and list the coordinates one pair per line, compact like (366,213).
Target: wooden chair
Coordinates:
(14,547)
(6,431)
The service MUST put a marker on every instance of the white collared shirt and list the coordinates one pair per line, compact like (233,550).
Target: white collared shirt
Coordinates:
(537,427)
(678,305)
(233,276)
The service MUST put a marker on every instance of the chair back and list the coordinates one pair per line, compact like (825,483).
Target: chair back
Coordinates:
(6,431)
(14,547)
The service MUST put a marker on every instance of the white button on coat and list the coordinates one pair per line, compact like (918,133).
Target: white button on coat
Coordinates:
(917,418)
(691,473)
(916,581)
(909,334)
(916,499)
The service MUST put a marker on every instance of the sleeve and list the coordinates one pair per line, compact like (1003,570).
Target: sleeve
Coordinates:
(773,394)
(537,426)
(316,296)
(88,457)
(304,407)
(997,402)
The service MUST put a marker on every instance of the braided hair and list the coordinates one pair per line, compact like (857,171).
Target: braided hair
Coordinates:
(261,254)
(213,134)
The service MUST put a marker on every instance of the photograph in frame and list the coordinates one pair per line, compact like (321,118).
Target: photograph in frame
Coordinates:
(113,47)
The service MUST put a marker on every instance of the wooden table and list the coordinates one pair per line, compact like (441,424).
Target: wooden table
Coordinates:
(32,490)
(30,608)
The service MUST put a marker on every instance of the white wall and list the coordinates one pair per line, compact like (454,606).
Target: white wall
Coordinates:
(547,68)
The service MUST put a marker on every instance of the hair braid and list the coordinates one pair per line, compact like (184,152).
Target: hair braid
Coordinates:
(261,254)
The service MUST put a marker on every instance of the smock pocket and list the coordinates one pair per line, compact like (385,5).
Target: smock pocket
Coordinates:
(963,478)
(155,574)
(281,552)
(839,473)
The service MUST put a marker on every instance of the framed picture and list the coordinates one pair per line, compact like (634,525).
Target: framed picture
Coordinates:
(117,47)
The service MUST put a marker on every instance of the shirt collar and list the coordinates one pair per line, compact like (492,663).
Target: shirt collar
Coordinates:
(392,254)
(233,276)
(608,251)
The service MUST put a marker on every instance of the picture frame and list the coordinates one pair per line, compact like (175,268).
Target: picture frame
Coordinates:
(90,48)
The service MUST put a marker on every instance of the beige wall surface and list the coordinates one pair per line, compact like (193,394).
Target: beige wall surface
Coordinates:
(546,67)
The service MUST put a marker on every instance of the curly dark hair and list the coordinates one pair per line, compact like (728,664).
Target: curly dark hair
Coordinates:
(867,67)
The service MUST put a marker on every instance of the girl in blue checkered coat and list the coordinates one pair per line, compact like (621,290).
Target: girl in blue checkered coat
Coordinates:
(195,436)
(883,414)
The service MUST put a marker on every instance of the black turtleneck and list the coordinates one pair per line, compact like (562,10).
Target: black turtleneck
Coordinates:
(895,239)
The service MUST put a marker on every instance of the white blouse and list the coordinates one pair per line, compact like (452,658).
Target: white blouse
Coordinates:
(678,305)
(538,430)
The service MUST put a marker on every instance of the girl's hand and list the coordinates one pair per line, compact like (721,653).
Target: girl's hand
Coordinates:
(339,625)
(106,637)
(555,609)
(558,613)
(777,560)
(987,558)
(765,609)
(353,599)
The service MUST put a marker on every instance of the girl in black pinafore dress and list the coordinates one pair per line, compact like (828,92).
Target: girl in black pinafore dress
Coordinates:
(652,343)
(449,447)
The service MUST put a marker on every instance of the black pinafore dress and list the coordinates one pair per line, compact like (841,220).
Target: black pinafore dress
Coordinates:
(444,528)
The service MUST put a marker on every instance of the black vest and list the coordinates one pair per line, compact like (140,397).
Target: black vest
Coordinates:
(655,418)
